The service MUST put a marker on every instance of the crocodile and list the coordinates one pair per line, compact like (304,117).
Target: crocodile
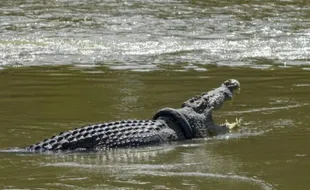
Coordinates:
(193,120)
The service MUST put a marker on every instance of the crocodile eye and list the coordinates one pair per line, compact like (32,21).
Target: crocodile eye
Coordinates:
(227,82)
(232,84)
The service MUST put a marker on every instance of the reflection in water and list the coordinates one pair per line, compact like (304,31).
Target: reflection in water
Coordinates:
(131,163)
(118,156)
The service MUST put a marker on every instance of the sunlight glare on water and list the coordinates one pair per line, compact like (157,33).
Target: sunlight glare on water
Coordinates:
(154,33)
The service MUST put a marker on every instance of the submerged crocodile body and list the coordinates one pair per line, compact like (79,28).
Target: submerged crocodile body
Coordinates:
(192,120)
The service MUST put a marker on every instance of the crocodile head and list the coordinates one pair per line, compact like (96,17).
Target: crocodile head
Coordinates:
(195,116)
(215,98)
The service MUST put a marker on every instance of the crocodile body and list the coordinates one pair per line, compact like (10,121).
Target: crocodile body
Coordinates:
(192,120)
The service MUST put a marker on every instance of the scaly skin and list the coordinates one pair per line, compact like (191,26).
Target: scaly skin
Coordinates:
(193,120)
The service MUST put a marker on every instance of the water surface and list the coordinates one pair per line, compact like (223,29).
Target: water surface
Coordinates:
(272,144)
(152,34)
(102,60)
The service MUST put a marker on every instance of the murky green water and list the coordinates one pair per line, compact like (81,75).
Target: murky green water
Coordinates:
(270,151)
(105,60)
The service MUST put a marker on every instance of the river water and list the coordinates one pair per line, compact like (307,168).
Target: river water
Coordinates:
(65,64)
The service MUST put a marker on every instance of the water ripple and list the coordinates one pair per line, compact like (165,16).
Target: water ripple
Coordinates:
(154,33)
(263,184)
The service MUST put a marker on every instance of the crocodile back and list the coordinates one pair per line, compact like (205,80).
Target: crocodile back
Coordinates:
(126,133)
